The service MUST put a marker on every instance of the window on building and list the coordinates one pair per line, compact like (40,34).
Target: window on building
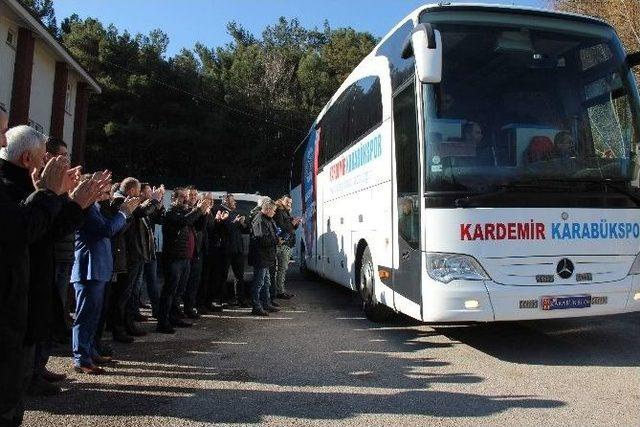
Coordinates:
(12,40)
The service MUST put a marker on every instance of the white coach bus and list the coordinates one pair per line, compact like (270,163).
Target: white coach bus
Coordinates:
(479,165)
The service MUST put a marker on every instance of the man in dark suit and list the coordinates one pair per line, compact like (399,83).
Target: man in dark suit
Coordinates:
(24,221)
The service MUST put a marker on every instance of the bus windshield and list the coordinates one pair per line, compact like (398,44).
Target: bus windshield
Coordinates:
(529,105)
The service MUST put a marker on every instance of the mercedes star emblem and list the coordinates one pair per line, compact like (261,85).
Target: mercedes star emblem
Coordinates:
(565,268)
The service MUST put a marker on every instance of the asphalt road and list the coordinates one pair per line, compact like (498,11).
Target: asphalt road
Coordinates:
(320,362)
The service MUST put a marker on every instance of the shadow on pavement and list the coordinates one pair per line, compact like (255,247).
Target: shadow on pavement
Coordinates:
(600,341)
(205,405)
(326,363)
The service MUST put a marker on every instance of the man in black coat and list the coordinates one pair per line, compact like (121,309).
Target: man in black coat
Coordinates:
(179,248)
(22,156)
(140,251)
(230,250)
(208,291)
(24,221)
(64,255)
(262,256)
(190,293)
(41,330)
(150,274)
(128,242)
(286,241)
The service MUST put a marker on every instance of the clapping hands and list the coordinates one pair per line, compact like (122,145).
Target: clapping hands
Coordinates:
(222,215)
(158,193)
(90,190)
(129,205)
(56,176)
(205,205)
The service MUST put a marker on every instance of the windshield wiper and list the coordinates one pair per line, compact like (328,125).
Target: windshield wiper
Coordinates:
(609,183)
(501,189)
(566,185)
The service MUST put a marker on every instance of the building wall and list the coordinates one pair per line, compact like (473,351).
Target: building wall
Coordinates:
(7,59)
(42,78)
(72,83)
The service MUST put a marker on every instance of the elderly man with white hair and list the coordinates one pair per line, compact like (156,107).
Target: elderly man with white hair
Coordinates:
(27,149)
(31,202)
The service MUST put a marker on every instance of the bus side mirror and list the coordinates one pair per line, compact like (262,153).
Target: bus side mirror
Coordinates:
(633,59)
(425,44)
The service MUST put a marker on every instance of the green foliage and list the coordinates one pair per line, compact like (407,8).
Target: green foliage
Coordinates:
(224,117)
(43,10)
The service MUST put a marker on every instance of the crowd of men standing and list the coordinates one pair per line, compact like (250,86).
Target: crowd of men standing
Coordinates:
(64,229)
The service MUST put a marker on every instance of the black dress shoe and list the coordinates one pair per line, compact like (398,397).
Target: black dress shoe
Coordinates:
(100,360)
(141,317)
(52,377)
(274,303)
(191,314)
(271,309)
(90,370)
(203,310)
(105,350)
(179,323)
(135,332)
(259,312)
(165,329)
(122,337)
(40,387)
(284,295)
(216,309)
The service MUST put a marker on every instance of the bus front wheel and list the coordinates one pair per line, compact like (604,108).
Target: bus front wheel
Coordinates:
(374,310)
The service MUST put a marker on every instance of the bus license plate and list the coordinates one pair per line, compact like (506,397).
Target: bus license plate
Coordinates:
(561,303)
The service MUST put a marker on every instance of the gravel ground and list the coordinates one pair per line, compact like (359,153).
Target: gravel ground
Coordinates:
(319,362)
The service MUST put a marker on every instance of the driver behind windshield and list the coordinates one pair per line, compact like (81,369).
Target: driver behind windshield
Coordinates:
(473,136)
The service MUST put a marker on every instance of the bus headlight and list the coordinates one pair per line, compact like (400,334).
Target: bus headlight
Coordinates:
(635,267)
(447,267)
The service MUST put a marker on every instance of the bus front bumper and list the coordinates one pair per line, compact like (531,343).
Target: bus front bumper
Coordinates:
(476,301)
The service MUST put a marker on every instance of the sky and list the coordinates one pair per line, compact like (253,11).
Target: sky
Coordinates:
(189,21)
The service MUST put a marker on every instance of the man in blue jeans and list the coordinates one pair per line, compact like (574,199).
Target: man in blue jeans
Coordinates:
(263,256)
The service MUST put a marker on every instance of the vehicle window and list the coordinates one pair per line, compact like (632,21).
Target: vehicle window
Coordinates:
(366,107)
(400,69)
(520,104)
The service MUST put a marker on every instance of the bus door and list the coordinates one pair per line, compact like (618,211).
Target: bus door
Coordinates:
(406,280)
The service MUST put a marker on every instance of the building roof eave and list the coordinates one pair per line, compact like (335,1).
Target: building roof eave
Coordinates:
(37,26)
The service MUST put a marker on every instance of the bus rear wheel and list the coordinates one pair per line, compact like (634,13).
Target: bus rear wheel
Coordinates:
(374,310)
